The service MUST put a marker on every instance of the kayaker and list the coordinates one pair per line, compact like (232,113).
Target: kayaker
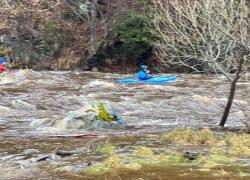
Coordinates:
(143,74)
(2,65)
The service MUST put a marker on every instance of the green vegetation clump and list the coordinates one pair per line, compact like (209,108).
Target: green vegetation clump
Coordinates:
(206,137)
(220,158)
(143,152)
(181,136)
(240,151)
(134,39)
(111,163)
(188,136)
(108,148)
(219,155)
(179,159)
(103,114)
(52,28)
(240,139)
(141,156)
(220,152)
(238,145)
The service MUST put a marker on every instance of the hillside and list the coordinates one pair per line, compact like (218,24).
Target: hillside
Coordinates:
(56,34)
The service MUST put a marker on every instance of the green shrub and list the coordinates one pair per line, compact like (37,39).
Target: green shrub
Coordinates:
(133,39)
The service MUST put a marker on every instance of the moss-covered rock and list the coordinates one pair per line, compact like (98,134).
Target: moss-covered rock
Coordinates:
(94,115)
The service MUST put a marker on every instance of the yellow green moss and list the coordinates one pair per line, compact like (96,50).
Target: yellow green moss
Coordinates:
(179,159)
(225,150)
(241,174)
(187,136)
(108,148)
(143,152)
(103,114)
(217,150)
(181,136)
(221,158)
(206,137)
(132,166)
(111,163)
(141,157)
(239,150)
(242,139)
(220,143)
(137,160)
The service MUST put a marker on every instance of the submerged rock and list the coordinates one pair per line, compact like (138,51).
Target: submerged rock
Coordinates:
(190,155)
(94,115)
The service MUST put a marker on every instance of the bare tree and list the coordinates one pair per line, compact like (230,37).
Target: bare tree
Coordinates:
(87,11)
(19,27)
(209,35)
(92,10)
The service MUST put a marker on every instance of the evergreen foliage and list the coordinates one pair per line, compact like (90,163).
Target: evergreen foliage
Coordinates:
(134,39)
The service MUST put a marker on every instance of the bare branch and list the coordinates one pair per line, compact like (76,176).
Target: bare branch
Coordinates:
(202,35)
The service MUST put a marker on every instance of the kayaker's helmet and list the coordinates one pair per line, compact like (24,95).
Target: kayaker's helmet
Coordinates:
(144,67)
(2,61)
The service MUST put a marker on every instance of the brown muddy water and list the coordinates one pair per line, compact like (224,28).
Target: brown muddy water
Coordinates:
(28,97)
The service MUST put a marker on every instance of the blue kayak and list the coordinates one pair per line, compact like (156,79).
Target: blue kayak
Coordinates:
(151,80)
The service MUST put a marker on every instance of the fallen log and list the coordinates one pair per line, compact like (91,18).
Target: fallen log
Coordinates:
(77,135)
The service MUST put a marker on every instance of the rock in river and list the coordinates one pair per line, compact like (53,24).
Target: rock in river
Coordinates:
(97,114)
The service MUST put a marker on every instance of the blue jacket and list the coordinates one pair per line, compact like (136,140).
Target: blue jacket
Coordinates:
(142,75)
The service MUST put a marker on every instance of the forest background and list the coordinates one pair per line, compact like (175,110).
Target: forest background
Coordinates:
(120,35)
(97,35)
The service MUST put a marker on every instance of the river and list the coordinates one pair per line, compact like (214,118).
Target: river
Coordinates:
(28,98)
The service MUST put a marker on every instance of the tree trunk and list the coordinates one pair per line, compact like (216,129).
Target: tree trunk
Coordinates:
(93,26)
(232,92)
(229,103)
(90,60)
